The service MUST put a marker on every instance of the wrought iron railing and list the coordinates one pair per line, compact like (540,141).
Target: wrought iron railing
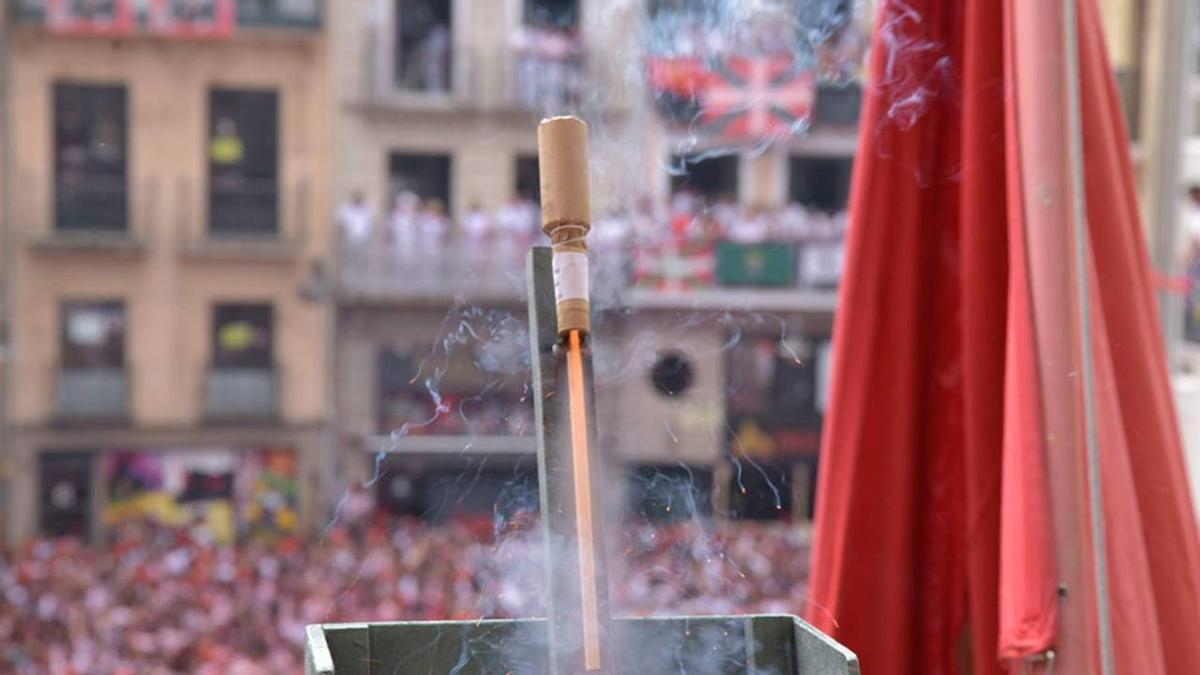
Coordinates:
(243,208)
(298,14)
(91,204)
(280,13)
(388,269)
(91,394)
(241,394)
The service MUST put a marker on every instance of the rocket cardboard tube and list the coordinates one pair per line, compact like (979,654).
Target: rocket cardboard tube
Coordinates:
(566,216)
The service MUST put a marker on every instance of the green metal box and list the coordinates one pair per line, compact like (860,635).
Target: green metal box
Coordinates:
(710,645)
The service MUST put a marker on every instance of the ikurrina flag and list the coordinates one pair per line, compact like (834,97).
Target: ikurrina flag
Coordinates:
(738,98)
(757,99)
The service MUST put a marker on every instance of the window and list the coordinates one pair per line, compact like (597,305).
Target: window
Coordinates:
(399,400)
(90,158)
(503,492)
(552,13)
(65,493)
(838,104)
(243,336)
(711,177)
(774,405)
(423,55)
(243,148)
(671,374)
(477,403)
(427,176)
(93,335)
(821,183)
(529,186)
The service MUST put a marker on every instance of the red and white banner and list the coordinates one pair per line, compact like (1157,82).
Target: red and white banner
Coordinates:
(81,17)
(736,97)
(211,19)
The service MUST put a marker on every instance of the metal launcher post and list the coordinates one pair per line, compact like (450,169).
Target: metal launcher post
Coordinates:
(569,467)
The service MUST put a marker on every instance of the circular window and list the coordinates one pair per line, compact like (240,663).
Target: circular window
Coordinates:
(671,374)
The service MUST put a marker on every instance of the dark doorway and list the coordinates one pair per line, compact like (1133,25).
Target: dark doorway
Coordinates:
(760,490)
(670,492)
(529,186)
(426,175)
(65,494)
(710,177)
(821,183)
(243,149)
(491,490)
(424,55)
(552,13)
(90,157)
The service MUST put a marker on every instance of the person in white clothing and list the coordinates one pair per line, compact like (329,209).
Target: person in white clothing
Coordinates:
(752,227)
(478,236)
(402,225)
(356,224)
(356,219)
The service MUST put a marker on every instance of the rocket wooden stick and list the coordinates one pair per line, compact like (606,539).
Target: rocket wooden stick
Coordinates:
(566,215)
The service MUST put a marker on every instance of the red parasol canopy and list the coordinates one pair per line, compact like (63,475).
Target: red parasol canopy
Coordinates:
(969,416)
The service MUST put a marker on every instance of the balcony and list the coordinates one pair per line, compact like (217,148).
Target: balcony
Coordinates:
(244,210)
(304,14)
(84,214)
(289,14)
(249,219)
(241,394)
(91,204)
(777,276)
(381,270)
(481,79)
(91,395)
(300,15)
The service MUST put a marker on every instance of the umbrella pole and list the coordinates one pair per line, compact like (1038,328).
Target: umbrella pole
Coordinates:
(1083,258)
(1046,174)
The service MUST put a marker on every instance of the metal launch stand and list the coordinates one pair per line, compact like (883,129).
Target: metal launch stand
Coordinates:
(578,636)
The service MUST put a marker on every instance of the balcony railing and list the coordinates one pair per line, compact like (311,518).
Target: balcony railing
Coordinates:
(241,394)
(91,204)
(279,13)
(503,78)
(298,14)
(383,269)
(492,270)
(256,219)
(249,208)
(91,395)
(546,84)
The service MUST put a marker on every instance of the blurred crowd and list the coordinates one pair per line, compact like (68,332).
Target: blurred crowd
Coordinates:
(414,225)
(671,245)
(159,600)
(549,66)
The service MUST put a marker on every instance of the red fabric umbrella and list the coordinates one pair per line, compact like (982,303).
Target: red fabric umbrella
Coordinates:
(953,519)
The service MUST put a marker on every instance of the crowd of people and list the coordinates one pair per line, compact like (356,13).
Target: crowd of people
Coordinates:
(417,235)
(549,66)
(157,600)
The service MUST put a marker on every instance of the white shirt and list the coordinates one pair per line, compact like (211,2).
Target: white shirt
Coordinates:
(477,225)
(356,221)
